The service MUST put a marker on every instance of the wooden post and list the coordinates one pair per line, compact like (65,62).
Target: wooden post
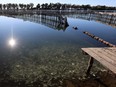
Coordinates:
(90,63)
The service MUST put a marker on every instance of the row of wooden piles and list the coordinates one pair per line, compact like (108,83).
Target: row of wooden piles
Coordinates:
(99,39)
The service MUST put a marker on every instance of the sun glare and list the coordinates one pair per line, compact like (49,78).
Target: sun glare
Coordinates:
(12,42)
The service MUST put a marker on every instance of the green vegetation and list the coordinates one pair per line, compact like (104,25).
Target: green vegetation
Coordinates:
(53,6)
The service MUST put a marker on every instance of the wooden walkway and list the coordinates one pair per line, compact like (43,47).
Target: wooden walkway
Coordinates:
(106,56)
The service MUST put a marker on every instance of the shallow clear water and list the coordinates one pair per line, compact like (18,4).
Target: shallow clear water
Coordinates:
(42,50)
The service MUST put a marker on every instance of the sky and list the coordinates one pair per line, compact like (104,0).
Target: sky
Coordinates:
(79,2)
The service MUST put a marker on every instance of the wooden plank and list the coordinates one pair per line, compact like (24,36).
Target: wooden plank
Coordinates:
(104,55)
(100,57)
(111,49)
(106,59)
(110,52)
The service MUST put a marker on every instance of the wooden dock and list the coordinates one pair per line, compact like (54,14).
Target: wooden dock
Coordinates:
(106,56)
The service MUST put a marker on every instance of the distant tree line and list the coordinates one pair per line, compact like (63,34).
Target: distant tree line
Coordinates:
(13,6)
(53,6)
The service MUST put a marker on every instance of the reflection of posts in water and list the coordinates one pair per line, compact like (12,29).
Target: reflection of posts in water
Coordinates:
(55,22)
(63,21)
(66,22)
(111,19)
(103,18)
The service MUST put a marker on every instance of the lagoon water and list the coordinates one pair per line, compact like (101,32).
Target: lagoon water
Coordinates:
(44,51)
